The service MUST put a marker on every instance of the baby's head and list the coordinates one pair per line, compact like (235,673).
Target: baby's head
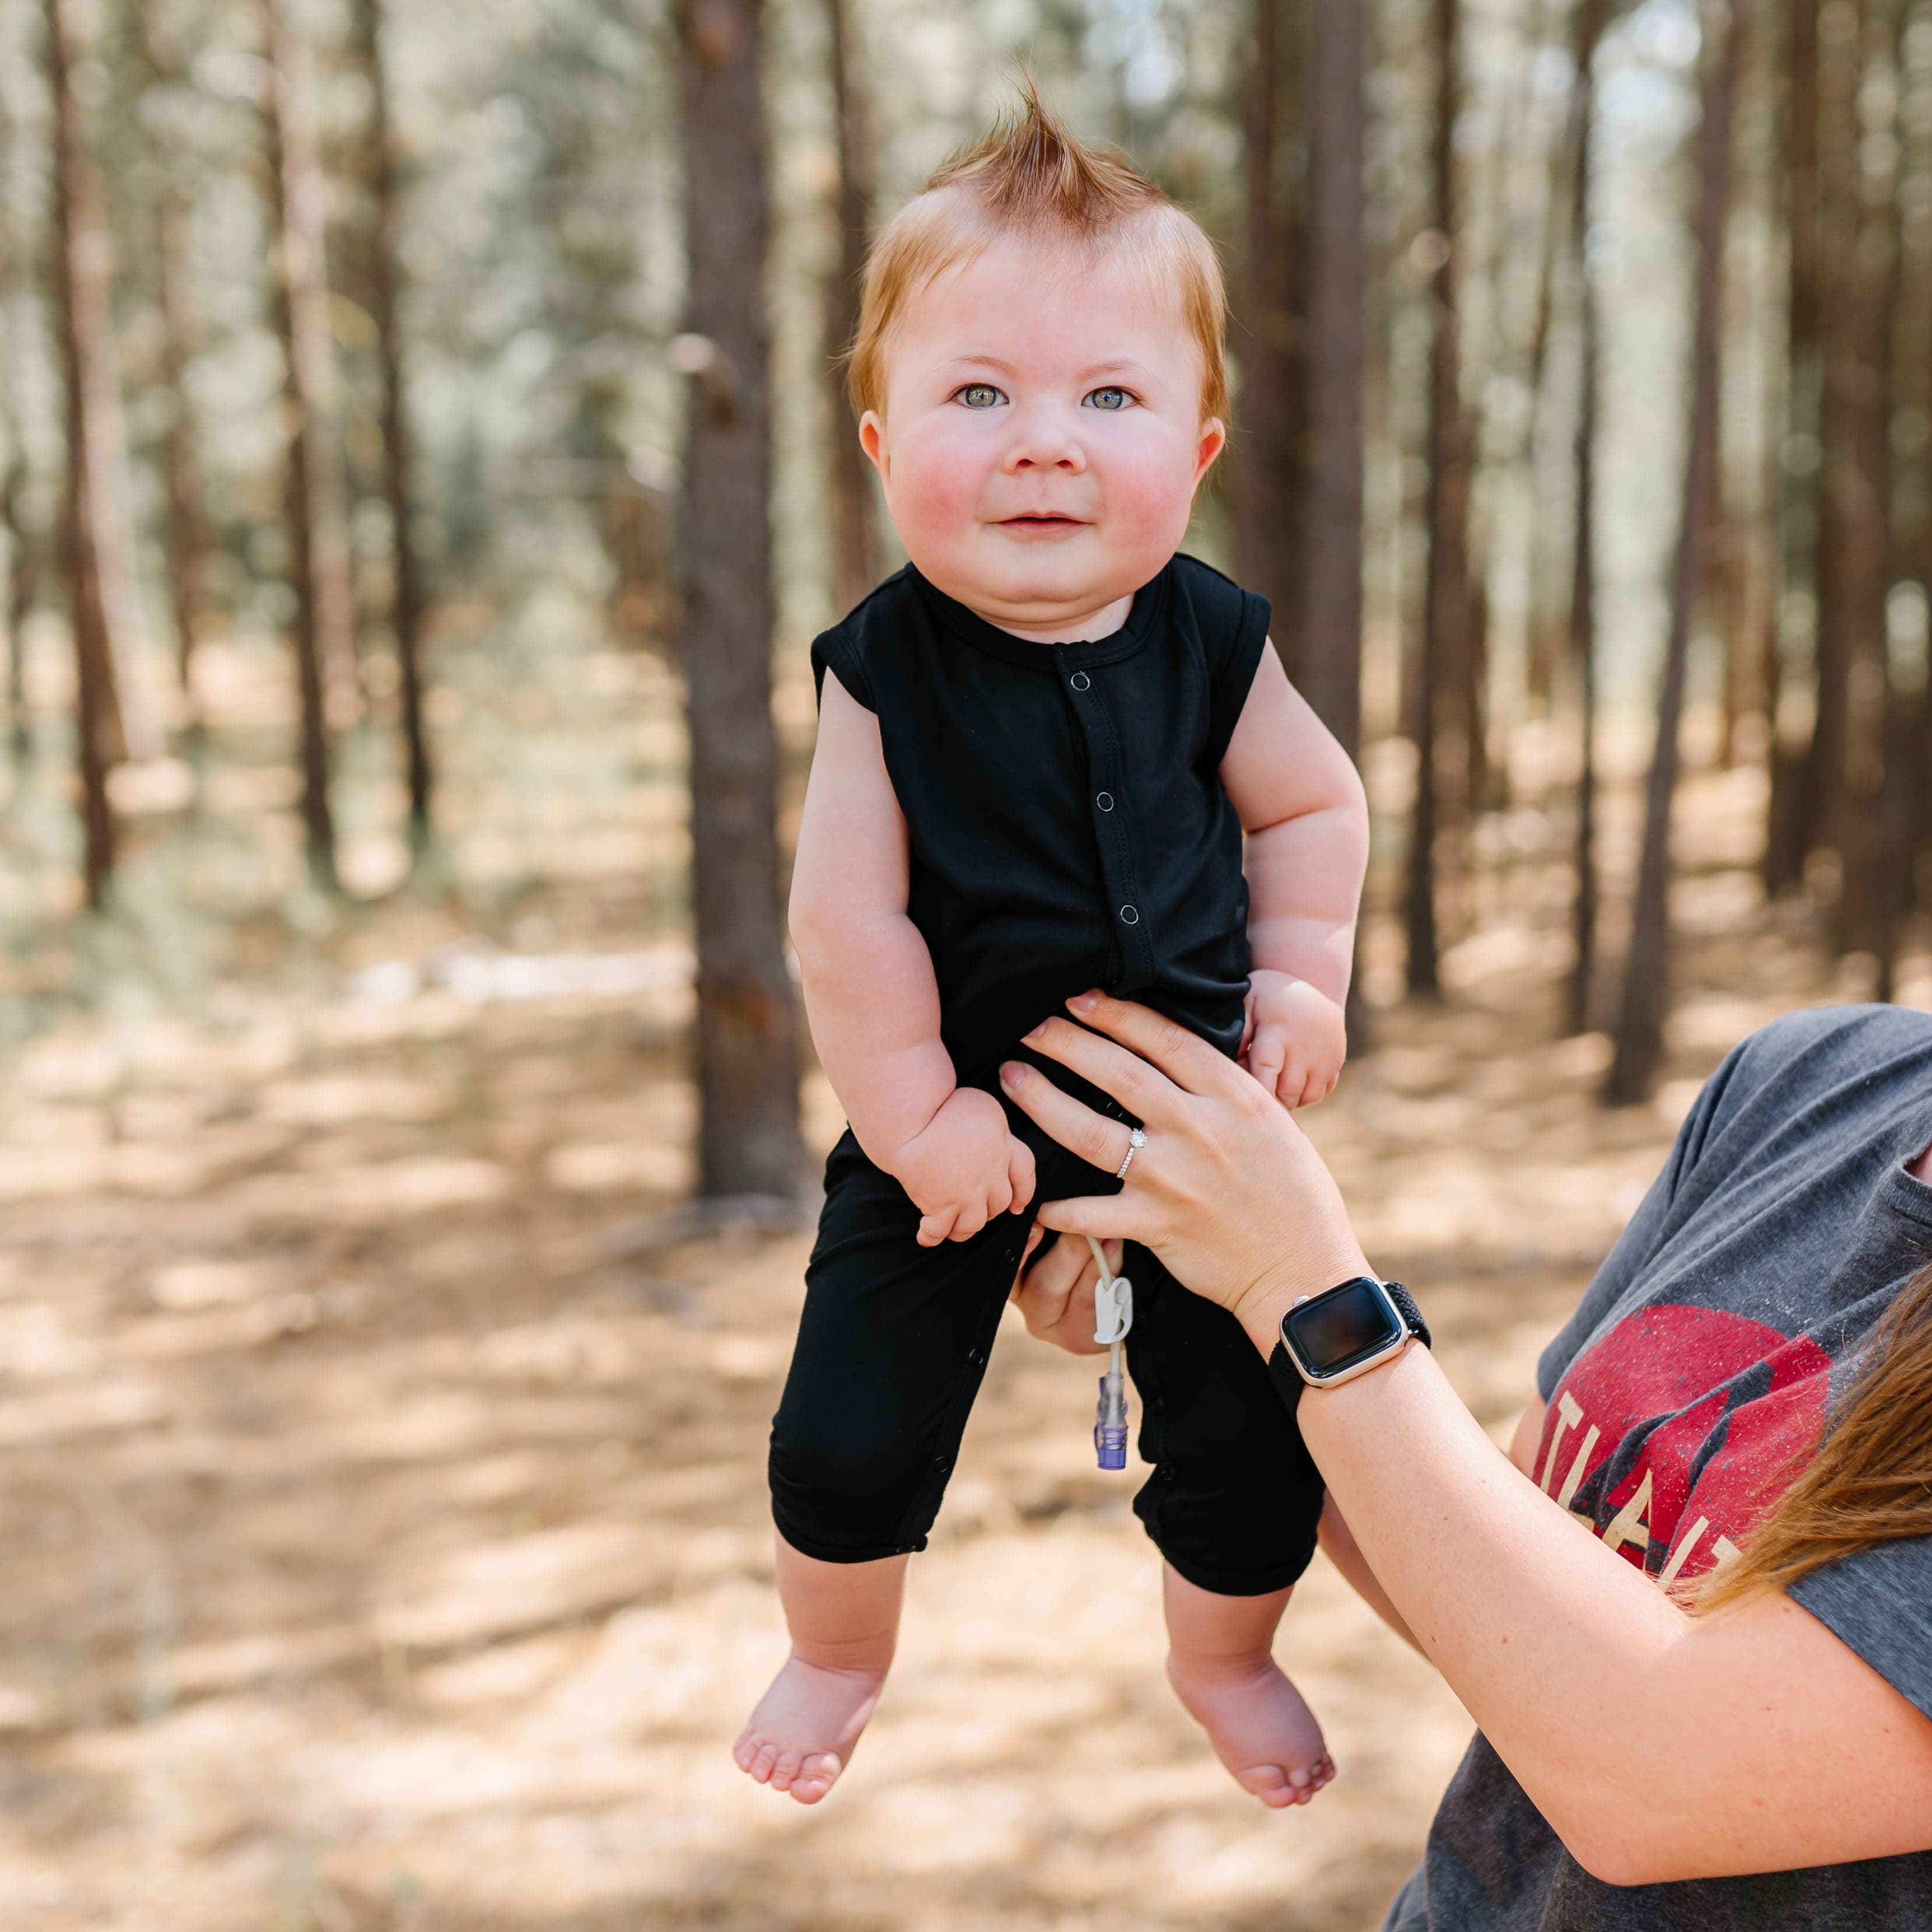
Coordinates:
(1039,373)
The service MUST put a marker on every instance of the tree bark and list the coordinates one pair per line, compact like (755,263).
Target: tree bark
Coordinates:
(1787,828)
(1646,990)
(1587,25)
(21,555)
(313,490)
(1442,730)
(1269,484)
(21,574)
(407,597)
(1578,1002)
(1864,833)
(79,280)
(1331,666)
(186,527)
(747,1041)
(855,520)
(1842,505)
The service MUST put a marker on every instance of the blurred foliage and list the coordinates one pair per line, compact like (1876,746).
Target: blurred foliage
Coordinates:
(542,255)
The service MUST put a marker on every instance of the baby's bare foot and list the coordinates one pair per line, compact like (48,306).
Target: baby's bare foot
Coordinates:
(1258,1725)
(801,1736)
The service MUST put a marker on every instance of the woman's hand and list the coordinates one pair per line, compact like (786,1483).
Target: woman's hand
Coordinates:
(1228,1191)
(1648,1738)
(1054,1295)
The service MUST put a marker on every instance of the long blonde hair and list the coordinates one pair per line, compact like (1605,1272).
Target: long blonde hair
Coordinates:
(1870,1480)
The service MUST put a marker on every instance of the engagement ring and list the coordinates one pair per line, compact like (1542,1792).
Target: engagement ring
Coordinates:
(1136,1140)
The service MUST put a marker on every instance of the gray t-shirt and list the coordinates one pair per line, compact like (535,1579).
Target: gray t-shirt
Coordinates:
(1699,1363)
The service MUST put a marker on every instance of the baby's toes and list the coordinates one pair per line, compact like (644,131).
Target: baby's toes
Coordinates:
(1269,1783)
(815,1778)
(785,1769)
(764,1759)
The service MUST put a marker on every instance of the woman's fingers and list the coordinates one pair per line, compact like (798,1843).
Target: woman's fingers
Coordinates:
(1186,1059)
(1129,1217)
(1055,1298)
(1095,1139)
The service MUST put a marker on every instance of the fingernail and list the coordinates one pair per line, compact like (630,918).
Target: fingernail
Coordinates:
(1036,1033)
(1084,1003)
(1012,1073)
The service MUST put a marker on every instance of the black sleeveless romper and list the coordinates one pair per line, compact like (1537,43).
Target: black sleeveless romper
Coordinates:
(1068,829)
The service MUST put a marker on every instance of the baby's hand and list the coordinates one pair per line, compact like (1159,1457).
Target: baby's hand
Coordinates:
(963,1167)
(1297,1038)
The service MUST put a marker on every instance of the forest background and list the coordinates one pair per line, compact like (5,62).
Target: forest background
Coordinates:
(422,468)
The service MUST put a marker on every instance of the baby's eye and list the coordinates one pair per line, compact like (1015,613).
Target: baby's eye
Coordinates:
(1108,398)
(980,396)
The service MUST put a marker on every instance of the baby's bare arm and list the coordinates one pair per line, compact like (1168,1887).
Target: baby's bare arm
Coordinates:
(1303,808)
(871,997)
(869,991)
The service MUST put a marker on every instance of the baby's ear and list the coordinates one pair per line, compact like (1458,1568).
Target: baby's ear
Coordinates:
(872,441)
(1213,439)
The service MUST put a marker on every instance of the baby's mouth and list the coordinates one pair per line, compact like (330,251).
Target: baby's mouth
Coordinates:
(1041,520)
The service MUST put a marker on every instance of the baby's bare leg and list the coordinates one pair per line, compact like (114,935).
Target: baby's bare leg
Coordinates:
(844,1620)
(1221,1664)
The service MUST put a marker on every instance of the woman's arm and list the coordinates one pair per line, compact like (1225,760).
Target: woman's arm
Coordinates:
(1658,1746)
(871,997)
(1301,804)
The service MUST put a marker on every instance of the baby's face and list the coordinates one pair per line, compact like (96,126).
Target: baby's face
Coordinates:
(1042,437)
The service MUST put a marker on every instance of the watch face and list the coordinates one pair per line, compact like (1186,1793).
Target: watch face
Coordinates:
(1348,1324)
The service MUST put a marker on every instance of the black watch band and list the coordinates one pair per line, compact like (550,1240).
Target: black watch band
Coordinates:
(1287,1378)
(1406,1307)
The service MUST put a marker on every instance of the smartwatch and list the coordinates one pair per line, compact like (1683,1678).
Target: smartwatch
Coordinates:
(1342,1333)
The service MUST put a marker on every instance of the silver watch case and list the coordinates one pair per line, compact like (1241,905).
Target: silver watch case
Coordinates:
(1317,1378)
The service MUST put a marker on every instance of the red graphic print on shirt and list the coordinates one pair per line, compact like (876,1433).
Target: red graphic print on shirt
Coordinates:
(1675,1435)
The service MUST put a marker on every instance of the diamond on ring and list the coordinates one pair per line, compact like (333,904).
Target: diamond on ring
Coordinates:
(1136,1140)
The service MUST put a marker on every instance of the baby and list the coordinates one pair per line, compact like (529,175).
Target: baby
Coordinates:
(1039,747)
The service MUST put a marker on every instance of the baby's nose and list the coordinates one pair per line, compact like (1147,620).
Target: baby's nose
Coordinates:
(1048,450)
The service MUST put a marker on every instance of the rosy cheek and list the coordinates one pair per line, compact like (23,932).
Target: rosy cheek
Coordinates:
(937,481)
(1148,495)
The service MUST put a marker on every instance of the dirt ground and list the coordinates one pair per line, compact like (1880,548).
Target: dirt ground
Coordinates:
(381,1473)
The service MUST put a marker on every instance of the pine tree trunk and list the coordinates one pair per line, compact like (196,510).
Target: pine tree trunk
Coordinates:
(1331,628)
(1269,481)
(1646,990)
(1787,828)
(21,555)
(1863,834)
(1587,24)
(1331,656)
(855,521)
(1578,1003)
(1441,731)
(1911,756)
(406,598)
(747,1042)
(186,528)
(313,492)
(1841,503)
(21,573)
(78,278)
